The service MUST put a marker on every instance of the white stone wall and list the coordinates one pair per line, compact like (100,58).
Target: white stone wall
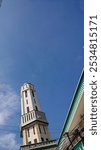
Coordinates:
(32,102)
(27,138)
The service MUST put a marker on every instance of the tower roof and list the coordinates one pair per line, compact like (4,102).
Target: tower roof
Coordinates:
(28,83)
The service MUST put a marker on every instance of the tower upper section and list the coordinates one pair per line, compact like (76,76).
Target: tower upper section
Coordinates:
(30,107)
(34,125)
(29,100)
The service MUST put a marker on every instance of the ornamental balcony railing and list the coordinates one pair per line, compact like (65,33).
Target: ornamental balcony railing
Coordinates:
(71,139)
(39,145)
(33,115)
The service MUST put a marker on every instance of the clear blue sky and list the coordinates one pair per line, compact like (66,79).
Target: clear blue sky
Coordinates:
(41,41)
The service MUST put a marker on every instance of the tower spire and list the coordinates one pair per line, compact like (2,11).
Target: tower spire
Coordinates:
(34,125)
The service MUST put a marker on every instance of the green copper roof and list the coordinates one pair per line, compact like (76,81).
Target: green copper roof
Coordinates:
(73,107)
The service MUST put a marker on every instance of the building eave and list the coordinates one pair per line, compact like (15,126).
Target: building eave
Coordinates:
(79,88)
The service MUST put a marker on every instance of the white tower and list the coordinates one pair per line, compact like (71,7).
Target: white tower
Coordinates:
(34,125)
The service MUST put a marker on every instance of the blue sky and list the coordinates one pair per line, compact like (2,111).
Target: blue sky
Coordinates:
(41,41)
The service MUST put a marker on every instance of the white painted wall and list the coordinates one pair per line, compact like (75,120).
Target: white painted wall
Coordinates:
(31,102)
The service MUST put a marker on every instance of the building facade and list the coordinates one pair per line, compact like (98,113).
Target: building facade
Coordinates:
(34,125)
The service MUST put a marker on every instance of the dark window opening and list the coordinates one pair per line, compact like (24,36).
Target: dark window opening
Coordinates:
(47,140)
(36,108)
(25,93)
(39,129)
(35,141)
(29,142)
(27,109)
(33,93)
(42,139)
(34,130)
(44,129)
(28,132)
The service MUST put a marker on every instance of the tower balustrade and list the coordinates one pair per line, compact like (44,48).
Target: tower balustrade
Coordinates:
(33,115)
